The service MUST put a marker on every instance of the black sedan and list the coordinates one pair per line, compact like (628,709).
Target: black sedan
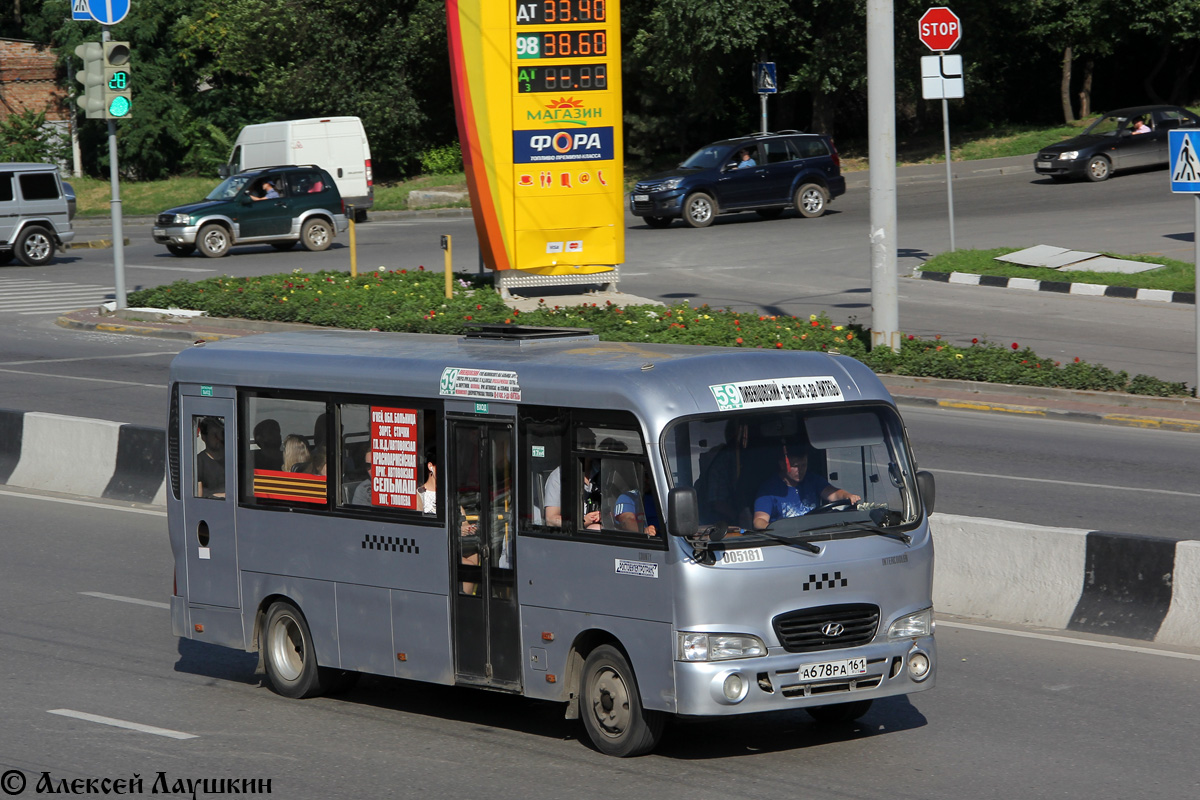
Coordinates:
(1121,139)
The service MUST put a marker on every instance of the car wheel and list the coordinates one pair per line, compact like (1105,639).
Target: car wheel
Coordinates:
(612,708)
(34,247)
(699,210)
(769,213)
(316,235)
(1099,169)
(658,222)
(283,246)
(213,240)
(811,200)
(181,249)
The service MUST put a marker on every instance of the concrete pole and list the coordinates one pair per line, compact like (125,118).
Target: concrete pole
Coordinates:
(881,152)
(1196,289)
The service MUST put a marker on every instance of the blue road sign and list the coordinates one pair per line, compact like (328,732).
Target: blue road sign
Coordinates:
(79,11)
(1185,160)
(108,12)
(764,77)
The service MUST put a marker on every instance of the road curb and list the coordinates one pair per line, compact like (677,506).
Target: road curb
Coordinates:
(1057,287)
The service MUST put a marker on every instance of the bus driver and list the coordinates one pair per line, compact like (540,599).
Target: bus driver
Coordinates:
(794,491)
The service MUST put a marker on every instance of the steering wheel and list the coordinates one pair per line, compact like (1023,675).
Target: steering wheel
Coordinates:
(832,504)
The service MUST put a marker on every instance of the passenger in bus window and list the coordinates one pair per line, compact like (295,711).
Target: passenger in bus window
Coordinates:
(362,492)
(317,465)
(269,439)
(427,491)
(720,475)
(590,492)
(295,453)
(794,491)
(629,504)
(210,462)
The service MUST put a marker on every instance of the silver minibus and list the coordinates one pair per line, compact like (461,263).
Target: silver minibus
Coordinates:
(637,531)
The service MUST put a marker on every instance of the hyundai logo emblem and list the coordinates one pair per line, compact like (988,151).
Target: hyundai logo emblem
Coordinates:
(832,629)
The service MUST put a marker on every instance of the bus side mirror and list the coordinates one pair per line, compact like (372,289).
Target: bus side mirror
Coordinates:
(683,515)
(927,489)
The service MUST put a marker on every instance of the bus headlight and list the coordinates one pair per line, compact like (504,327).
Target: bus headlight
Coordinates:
(719,646)
(917,624)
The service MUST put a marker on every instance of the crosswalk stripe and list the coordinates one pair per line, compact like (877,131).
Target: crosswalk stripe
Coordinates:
(27,297)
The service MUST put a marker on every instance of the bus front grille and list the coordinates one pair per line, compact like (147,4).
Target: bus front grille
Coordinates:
(827,627)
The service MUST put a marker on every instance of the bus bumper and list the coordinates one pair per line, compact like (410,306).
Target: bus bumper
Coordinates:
(776,682)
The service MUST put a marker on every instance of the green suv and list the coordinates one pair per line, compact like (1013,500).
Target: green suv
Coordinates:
(278,206)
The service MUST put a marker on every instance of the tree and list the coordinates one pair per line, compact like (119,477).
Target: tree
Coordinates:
(1073,28)
(383,62)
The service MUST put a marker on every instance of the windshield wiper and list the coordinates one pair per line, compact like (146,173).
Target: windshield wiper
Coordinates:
(865,526)
(803,545)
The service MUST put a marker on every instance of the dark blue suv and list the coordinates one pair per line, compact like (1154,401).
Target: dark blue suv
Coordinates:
(766,173)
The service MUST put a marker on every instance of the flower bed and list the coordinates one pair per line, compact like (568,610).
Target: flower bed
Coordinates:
(413,301)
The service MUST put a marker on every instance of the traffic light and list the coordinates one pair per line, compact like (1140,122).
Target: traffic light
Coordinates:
(92,78)
(117,103)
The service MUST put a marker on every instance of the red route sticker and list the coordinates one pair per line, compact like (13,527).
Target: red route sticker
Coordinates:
(393,473)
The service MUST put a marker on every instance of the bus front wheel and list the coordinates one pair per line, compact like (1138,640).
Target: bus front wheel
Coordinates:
(291,659)
(612,708)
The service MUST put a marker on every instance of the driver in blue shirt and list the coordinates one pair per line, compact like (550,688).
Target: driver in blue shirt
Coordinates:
(794,491)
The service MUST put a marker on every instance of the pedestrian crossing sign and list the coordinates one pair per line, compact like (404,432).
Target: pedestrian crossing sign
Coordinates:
(1185,160)
(79,11)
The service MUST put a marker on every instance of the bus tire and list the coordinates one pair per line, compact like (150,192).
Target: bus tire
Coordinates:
(289,655)
(839,712)
(611,706)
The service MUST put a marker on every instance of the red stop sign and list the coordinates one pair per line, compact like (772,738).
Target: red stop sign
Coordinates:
(939,29)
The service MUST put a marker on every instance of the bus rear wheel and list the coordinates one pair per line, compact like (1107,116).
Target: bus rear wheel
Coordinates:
(291,659)
(611,706)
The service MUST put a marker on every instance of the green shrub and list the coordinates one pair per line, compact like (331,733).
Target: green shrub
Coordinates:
(443,160)
(414,301)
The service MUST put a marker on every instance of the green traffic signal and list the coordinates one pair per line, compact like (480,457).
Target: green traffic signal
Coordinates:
(118,103)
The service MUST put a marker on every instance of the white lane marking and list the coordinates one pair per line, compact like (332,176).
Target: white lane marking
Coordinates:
(120,723)
(134,600)
(1065,483)
(1128,648)
(80,378)
(170,353)
(168,269)
(68,501)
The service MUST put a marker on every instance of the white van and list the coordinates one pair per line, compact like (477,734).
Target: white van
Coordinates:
(337,144)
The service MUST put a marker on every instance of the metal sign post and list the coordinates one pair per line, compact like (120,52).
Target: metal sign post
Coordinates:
(1184,148)
(942,78)
(118,228)
(765,83)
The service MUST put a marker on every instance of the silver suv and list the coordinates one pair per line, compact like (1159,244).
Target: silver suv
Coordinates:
(35,213)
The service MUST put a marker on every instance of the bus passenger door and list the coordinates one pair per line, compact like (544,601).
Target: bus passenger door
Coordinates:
(482,518)
(210,496)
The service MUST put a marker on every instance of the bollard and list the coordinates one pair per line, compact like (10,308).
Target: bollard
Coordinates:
(353,243)
(448,247)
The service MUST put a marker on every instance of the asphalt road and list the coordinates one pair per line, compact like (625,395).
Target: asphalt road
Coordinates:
(84,633)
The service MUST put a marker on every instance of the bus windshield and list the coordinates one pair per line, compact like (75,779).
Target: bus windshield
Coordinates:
(792,470)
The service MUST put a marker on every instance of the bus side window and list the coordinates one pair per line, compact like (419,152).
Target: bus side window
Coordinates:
(209,446)
(283,454)
(542,434)
(385,450)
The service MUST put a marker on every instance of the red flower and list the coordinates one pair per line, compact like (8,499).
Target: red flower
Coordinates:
(468,317)
(974,341)
(910,337)
(1015,346)
(816,324)
(403,272)
(739,340)
(478,307)
(938,337)
(422,267)
(761,319)
(1076,359)
(778,345)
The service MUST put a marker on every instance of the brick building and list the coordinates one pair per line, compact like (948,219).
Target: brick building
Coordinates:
(28,81)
